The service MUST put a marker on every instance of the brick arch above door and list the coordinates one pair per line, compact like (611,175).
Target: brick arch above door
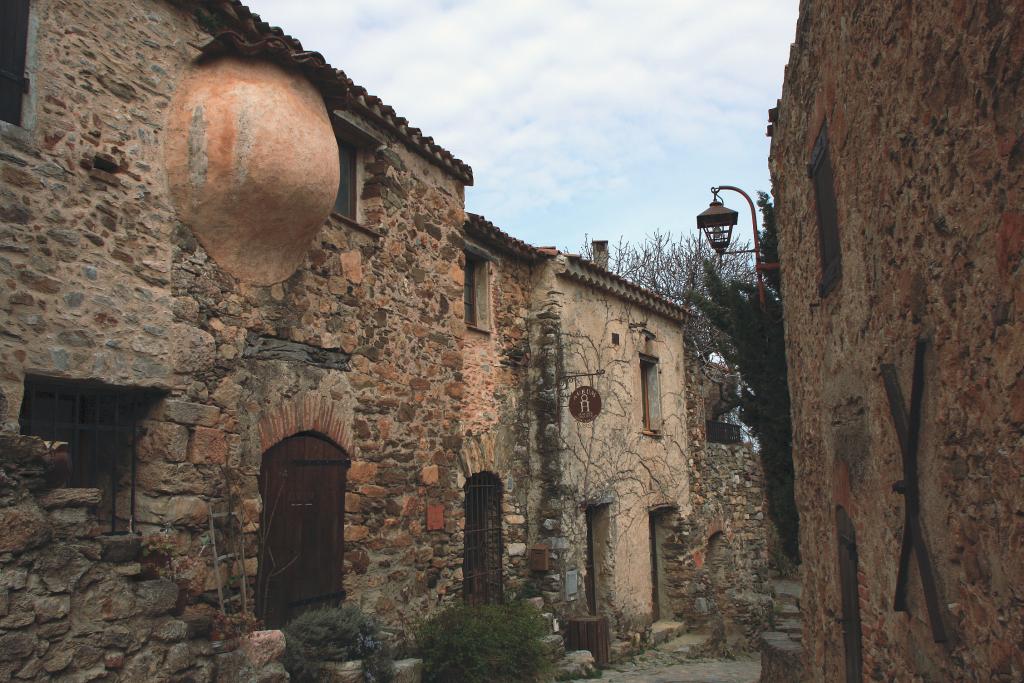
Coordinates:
(309,412)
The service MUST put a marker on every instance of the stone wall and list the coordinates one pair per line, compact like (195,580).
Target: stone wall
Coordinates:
(613,460)
(720,578)
(495,362)
(73,603)
(923,103)
(102,281)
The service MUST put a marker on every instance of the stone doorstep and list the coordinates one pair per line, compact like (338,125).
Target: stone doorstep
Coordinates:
(576,664)
(664,631)
(687,643)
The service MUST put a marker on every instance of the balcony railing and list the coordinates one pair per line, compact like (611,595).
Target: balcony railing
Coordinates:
(723,432)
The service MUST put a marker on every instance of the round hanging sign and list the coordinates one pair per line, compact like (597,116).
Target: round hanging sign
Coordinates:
(585,404)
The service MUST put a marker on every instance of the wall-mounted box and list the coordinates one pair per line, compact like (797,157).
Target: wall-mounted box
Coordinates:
(540,558)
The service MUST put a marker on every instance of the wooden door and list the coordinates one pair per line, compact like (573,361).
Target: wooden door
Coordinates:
(850,596)
(301,560)
(652,525)
(590,581)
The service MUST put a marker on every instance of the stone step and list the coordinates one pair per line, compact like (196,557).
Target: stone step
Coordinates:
(664,631)
(788,626)
(780,658)
(787,589)
(787,609)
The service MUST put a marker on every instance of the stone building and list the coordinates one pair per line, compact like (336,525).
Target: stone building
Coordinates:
(234,280)
(897,167)
(215,299)
(624,508)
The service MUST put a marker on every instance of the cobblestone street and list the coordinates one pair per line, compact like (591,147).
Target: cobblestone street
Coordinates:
(667,664)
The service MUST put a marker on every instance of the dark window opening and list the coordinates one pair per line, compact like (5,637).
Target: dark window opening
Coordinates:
(650,393)
(98,424)
(345,202)
(820,171)
(481,564)
(13,43)
(615,338)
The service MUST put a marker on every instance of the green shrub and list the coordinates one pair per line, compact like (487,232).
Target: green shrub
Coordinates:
(335,634)
(489,643)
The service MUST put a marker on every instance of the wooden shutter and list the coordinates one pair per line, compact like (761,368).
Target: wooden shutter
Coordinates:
(13,39)
(653,395)
(481,280)
(820,171)
(469,290)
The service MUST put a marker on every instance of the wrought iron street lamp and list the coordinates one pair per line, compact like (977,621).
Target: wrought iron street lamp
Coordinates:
(717,222)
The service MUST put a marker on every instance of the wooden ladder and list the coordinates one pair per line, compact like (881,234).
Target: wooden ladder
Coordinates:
(239,600)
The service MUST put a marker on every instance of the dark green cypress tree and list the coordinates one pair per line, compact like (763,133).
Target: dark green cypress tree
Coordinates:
(756,349)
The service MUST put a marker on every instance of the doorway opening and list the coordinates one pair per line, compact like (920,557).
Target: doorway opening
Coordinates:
(659,527)
(850,595)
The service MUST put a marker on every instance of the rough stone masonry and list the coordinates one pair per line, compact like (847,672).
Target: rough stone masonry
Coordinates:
(897,168)
(181,296)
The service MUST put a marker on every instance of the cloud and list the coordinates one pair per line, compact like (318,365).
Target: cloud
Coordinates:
(563,107)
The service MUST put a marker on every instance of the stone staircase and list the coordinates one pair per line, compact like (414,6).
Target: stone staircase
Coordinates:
(781,648)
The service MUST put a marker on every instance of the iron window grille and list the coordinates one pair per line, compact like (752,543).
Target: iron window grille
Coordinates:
(98,423)
(481,567)
(723,432)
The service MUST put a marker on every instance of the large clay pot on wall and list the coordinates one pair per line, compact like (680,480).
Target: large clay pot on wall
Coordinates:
(252,165)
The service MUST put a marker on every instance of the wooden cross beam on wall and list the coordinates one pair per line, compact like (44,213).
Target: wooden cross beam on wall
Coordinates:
(909,432)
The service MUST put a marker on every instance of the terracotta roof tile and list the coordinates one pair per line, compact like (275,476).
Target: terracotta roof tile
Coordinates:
(478,226)
(251,36)
(577,268)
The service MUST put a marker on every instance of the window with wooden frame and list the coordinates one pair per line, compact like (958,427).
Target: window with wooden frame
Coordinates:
(345,201)
(820,172)
(475,291)
(650,394)
(13,44)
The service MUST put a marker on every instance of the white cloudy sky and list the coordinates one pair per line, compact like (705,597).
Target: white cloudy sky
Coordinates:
(599,117)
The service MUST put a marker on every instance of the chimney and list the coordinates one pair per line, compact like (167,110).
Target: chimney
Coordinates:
(599,251)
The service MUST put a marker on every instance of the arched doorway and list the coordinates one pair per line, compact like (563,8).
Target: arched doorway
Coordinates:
(850,595)
(301,560)
(481,563)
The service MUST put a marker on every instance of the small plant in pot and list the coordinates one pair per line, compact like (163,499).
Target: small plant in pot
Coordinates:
(156,556)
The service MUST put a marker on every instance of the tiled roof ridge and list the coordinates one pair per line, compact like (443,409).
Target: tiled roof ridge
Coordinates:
(479,226)
(600,277)
(253,36)
(587,272)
